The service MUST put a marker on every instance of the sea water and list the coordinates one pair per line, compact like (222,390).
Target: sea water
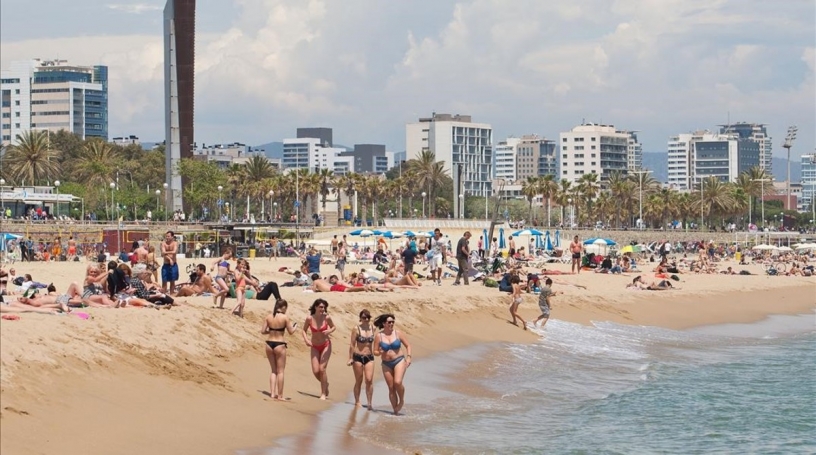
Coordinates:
(605,389)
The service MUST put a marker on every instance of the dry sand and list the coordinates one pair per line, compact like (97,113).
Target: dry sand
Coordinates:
(194,379)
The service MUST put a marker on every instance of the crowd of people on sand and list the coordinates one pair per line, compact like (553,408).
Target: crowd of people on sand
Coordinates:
(150,278)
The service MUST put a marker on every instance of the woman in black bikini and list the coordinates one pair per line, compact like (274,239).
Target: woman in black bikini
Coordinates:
(321,325)
(361,358)
(274,327)
(389,347)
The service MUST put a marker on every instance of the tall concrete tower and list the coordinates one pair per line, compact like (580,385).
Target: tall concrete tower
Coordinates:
(179,91)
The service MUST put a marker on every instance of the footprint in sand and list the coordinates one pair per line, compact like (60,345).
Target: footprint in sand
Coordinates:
(15,410)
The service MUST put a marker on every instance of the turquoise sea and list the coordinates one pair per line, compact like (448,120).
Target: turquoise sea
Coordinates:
(603,389)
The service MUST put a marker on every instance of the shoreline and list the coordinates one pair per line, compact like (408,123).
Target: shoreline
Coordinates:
(201,373)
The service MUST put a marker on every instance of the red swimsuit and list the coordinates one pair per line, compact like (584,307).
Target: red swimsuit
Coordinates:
(320,347)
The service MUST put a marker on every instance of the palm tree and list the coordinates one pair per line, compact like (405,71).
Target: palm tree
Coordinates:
(429,174)
(95,167)
(235,179)
(32,161)
(529,188)
(326,183)
(563,195)
(716,198)
(347,184)
(548,188)
(588,187)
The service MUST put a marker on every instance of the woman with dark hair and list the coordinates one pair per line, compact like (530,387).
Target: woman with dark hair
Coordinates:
(321,325)
(275,326)
(361,357)
(389,348)
(221,277)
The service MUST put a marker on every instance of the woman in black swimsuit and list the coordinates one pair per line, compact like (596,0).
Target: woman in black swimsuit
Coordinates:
(361,358)
(274,327)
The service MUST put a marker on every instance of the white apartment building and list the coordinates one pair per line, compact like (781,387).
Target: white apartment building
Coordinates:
(52,95)
(703,154)
(756,132)
(593,149)
(634,152)
(505,160)
(465,148)
(808,182)
(126,140)
(309,153)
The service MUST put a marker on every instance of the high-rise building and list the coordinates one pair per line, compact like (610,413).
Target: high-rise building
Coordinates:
(808,181)
(634,152)
(309,153)
(51,95)
(756,132)
(591,148)
(179,92)
(465,148)
(504,164)
(700,155)
(324,134)
(547,158)
(370,158)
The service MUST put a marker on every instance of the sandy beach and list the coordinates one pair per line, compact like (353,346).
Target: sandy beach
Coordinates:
(194,379)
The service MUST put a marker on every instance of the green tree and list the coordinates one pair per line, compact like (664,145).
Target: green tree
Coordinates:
(32,161)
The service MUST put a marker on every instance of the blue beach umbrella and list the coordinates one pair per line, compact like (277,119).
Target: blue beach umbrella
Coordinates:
(410,234)
(557,239)
(486,240)
(548,245)
(501,238)
(599,241)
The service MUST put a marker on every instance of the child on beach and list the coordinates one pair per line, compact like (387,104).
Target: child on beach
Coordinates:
(544,302)
(242,280)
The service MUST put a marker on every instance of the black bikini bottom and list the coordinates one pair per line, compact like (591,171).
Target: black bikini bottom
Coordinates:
(273,344)
(364,359)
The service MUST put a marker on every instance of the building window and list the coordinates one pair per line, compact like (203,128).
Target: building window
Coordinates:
(565,172)
(16,102)
(593,139)
(563,147)
(16,114)
(16,91)
(593,147)
(593,155)
(17,125)
(564,140)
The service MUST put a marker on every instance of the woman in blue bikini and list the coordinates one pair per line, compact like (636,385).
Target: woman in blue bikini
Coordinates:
(389,347)
(361,358)
(275,326)
(221,277)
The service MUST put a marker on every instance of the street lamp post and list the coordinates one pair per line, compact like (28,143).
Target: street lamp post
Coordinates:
(788,145)
(271,194)
(762,196)
(275,211)
(226,204)
(2,199)
(113,211)
(56,204)
(220,203)
(702,204)
(158,193)
(423,203)
(640,174)
(569,201)
(166,202)
(461,205)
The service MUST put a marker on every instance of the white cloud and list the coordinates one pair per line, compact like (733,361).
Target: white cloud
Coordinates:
(366,67)
(135,8)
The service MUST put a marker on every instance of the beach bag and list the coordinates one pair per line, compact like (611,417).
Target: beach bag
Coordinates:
(491,283)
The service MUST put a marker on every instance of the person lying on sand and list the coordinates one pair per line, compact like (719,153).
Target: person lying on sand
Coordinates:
(333,285)
(637,284)
(663,285)
(544,271)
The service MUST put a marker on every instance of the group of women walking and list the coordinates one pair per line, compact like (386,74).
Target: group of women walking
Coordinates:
(368,339)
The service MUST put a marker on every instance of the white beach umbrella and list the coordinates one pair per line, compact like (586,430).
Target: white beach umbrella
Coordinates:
(763,247)
(784,248)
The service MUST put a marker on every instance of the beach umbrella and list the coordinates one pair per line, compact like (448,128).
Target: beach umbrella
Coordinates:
(557,242)
(501,238)
(410,234)
(784,248)
(391,234)
(600,241)
(630,249)
(534,232)
(486,240)
(806,246)
(548,244)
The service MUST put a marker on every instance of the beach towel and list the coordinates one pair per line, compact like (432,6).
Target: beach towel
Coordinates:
(491,283)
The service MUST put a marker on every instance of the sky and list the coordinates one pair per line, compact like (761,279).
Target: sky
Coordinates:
(367,67)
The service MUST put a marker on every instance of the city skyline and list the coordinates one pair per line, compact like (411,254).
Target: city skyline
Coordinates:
(537,68)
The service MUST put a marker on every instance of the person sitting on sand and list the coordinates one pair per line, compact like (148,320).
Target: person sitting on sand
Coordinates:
(92,292)
(203,283)
(637,284)
(144,289)
(397,278)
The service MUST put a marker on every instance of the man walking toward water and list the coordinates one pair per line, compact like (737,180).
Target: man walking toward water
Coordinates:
(437,256)
(544,301)
(462,254)
(575,249)
(169,271)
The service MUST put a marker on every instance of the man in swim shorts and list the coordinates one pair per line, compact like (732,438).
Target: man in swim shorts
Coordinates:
(575,249)
(169,271)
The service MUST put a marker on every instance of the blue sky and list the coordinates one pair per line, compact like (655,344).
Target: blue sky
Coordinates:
(366,67)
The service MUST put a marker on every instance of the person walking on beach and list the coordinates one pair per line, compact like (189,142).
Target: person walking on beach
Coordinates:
(321,326)
(515,296)
(389,347)
(575,249)
(361,358)
(437,253)
(544,302)
(221,277)
(169,271)
(462,255)
(274,327)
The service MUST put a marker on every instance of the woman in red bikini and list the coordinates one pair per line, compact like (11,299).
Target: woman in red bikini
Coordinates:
(321,325)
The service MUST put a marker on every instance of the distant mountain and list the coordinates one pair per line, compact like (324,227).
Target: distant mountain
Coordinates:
(780,169)
(658,163)
(271,149)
